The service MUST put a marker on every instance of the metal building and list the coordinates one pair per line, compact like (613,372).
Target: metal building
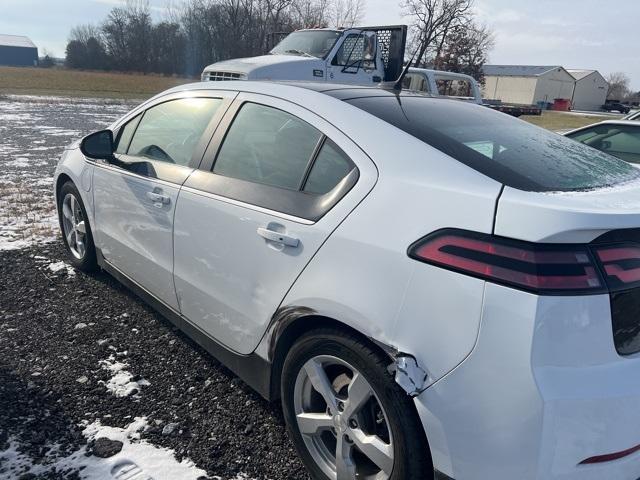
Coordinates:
(16,50)
(527,84)
(590,92)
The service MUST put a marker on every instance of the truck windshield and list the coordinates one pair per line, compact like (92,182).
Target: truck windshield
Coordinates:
(506,149)
(316,43)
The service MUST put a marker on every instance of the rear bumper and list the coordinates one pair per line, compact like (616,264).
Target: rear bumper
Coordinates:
(543,390)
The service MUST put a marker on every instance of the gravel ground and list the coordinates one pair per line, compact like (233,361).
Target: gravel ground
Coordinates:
(79,350)
(56,329)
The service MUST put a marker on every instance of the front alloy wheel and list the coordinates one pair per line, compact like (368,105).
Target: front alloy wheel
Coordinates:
(74,226)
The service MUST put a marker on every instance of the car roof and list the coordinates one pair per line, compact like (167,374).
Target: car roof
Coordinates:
(349,92)
(335,90)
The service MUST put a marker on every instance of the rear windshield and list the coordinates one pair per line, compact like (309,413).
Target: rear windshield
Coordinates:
(506,149)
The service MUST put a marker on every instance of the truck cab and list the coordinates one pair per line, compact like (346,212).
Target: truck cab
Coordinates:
(361,56)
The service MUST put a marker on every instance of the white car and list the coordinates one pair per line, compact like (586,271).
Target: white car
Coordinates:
(444,296)
(620,138)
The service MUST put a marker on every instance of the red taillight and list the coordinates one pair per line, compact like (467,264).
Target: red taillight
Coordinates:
(610,457)
(621,265)
(529,266)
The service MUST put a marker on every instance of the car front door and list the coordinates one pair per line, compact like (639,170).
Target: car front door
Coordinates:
(273,186)
(135,195)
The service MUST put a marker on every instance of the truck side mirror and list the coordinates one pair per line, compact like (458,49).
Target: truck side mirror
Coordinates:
(98,145)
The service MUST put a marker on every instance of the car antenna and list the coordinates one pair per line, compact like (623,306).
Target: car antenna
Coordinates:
(397,84)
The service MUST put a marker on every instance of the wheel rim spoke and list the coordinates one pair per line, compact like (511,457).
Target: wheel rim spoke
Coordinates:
(375,449)
(321,383)
(66,212)
(313,423)
(73,207)
(359,392)
(79,246)
(71,238)
(80,227)
(345,466)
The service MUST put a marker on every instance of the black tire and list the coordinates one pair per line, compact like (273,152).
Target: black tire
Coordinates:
(412,459)
(88,263)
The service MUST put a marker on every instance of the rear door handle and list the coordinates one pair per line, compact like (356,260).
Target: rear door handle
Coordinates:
(158,198)
(278,237)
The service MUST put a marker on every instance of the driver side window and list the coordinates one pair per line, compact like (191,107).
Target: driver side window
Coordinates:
(170,132)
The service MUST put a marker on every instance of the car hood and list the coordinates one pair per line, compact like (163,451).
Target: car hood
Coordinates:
(567,217)
(271,67)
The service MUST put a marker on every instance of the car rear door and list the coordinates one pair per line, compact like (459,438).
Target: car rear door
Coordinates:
(135,195)
(275,182)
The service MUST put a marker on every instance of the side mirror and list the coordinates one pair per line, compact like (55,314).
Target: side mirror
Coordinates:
(98,145)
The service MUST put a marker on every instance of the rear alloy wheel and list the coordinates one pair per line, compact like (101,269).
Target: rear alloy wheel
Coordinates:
(76,231)
(347,416)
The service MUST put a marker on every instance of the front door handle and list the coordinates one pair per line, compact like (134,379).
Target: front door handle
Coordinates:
(158,198)
(278,237)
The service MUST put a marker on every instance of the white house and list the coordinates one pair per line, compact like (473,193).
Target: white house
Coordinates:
(527,84)
(590,91)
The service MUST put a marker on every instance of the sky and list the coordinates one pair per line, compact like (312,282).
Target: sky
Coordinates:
(588,34)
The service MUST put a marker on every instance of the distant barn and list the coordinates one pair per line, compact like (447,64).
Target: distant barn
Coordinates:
(527,84)
(17,51)
(591,89)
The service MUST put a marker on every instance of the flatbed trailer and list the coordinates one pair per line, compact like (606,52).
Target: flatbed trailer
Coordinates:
(513,109)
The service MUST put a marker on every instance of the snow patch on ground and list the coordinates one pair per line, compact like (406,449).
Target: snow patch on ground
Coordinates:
(55,267)
(121,384)
(138,459)
(35,131)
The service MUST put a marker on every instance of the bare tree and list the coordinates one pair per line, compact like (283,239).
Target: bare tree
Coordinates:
(310,13)
(347,13)
(82,33)
(465,50)
(432,22)
(618,86)
(195,33)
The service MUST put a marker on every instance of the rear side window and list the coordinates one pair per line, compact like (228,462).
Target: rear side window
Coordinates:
(169,132)
(266,145)
(328,170)
(622,141)
(506,149)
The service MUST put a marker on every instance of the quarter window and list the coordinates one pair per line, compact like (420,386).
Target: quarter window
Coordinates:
(328,170)
(169,132)
(266,145)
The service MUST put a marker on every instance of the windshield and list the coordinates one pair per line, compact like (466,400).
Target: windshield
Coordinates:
(506,149)
(315,43)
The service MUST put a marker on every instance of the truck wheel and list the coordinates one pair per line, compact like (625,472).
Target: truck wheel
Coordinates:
(346,415)
(76,231)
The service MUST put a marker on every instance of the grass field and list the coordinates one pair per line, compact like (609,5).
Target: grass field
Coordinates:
(564,120)
(58,81)
(76,83)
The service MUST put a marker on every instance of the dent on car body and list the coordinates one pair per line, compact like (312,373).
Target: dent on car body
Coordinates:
(411,377)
